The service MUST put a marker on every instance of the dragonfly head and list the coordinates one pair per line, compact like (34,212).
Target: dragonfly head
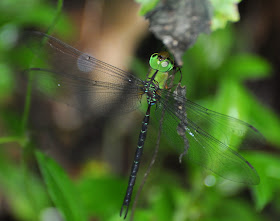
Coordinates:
(161,61)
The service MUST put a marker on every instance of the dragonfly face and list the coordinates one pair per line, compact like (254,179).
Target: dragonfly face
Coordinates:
(161,62)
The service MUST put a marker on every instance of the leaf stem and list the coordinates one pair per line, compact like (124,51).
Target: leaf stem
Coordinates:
(29,85)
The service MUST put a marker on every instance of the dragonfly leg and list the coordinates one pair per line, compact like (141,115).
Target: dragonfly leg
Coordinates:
(179,69)
(181,111)
(186,147)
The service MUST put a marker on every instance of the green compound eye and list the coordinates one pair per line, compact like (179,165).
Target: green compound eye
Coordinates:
(160,63)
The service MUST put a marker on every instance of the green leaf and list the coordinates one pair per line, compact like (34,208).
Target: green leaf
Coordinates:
(24,193)
(211,51)
(237,106)
(234,100)
(6,81)
(147,5)
(61,189)
(268,167)
(224,11)
(266,121)
(162,202)
(102,195)
(8,37)
(245,66)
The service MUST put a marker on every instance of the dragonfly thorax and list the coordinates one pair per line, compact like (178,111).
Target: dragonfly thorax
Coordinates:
(150,89)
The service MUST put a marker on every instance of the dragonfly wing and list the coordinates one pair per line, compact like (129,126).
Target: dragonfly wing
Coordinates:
(69,76)
(211,137)
(210,153)
(231,131)
(65,57)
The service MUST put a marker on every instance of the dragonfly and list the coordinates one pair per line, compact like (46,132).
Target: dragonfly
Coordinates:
(208,138)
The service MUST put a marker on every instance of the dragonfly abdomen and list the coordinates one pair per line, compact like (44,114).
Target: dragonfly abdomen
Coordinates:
(136,162)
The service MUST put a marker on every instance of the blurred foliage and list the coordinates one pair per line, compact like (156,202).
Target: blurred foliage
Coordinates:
(147,5)
(61,189)
(25,194)
(223,11)
(215,74)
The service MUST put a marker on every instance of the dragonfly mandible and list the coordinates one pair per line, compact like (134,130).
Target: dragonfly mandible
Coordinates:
(213,138)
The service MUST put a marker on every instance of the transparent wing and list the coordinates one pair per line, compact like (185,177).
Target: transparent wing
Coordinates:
(71,76)
(213,138)
(231,131)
